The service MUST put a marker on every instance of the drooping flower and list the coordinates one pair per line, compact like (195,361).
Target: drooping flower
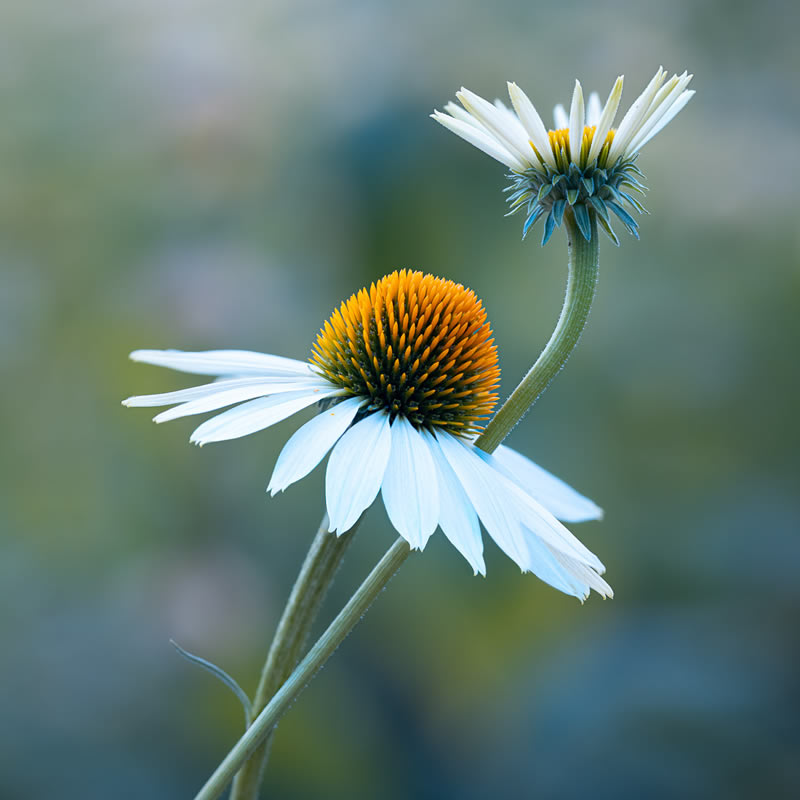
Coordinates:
(583,163)
(403,375)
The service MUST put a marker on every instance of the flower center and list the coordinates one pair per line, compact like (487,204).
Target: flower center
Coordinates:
(417,346)
(559,142)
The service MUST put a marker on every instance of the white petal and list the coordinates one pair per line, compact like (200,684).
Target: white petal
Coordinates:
(459,112)
(662,105)
(534,126)
(512,136)
(410,488)
(664,119)
(256,415)
(457,517)
(483,141)
(560,117)
(534,516)
(576,124)
(593,109)
(561,500)
(487,493)
(206,390)
(310,444)
(547,567)
(633,118)
(356,469)
(227,397)
(223,362)
(606,120)
(584,574)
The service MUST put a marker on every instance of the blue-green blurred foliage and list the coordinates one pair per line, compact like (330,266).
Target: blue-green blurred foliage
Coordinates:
(200,174)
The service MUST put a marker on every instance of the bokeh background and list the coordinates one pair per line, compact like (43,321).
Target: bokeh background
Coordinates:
(201,174)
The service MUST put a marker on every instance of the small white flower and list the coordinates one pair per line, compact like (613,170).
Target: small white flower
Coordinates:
(583,163)
(402,374)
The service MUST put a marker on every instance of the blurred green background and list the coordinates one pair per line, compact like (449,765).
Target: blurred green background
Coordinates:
(200,174)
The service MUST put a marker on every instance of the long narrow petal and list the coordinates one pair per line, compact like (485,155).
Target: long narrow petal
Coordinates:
(662,104)
(534,516)
(534,126)
(547,567)
(485,490)
(355,470)
(483,141)
(560,499)
(457,517)
(633,118)
(663,121)
(583,573)
(593,109)
(560,118)
(459,112)
(410,488)
(206,390)
(576,123)
(256,415)
(512,137)
(227,397)
(223,362)
(310,444)
(606,120)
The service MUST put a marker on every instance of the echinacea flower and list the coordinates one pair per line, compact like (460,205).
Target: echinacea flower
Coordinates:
(402,374)
(583,162)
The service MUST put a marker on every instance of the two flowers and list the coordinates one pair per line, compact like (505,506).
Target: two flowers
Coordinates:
(404,373)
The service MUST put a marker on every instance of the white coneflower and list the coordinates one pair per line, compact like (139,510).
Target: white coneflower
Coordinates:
(403,375)
(583,162)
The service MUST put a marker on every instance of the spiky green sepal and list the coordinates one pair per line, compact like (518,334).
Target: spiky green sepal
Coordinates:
(544,191)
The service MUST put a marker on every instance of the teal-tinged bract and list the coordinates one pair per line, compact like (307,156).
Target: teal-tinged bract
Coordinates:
(584,166)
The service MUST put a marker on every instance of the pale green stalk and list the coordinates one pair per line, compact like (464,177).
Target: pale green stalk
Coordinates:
(581,282)
(315,578)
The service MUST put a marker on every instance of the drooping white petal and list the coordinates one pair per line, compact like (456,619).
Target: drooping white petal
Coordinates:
(534,516)
(410,488)
(483,141)
(593,109)
(206,390)
(310,444)
(223,362)
(256,415)
(457,517)
(560,499)
(576,123)
(583,573)
(664,121)
(227,397)
(355,471)
(560,117)
(633,118)
(486,491)
(606,120)
(547,567)
(534,126)
(512,136)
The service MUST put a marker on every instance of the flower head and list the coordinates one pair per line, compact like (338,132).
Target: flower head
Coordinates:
(583,163)
(402,375)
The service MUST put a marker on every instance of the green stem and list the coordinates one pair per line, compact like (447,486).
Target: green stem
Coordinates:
(326,645)
(582,268)
(315,578)
(581,282)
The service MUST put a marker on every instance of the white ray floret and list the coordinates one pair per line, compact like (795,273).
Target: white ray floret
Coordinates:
(427,478)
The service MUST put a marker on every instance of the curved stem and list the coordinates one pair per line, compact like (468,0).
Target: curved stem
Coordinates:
(581,282)
(582,264)
(312,584)
(326,645)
